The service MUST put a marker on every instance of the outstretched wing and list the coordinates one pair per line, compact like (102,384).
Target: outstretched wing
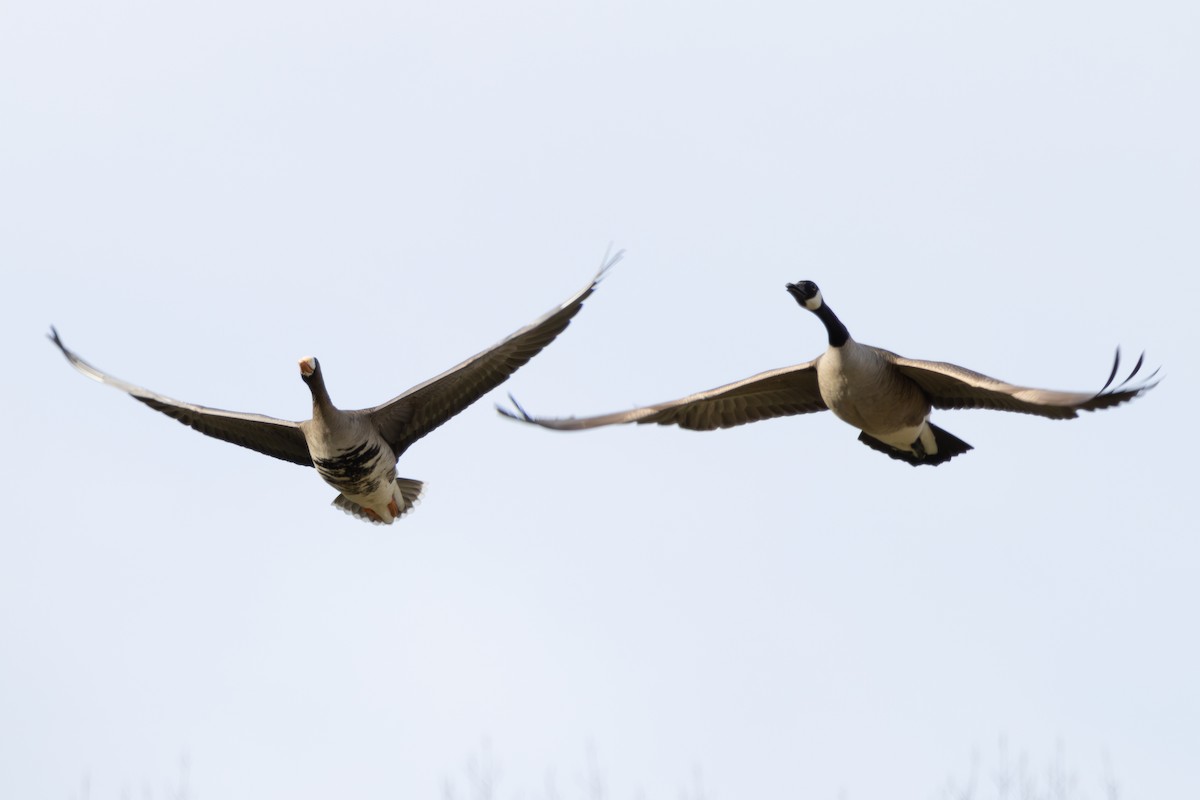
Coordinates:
(273,437)
(777,393)
(405,419)
(952,386)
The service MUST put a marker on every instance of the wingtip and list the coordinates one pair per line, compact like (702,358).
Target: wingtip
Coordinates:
(58,342)
(1127,389)
(610,260)
(520,414)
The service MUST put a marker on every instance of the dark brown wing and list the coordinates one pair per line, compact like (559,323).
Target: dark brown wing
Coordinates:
(273,437)
(952,386)
(777,393)
(405,419)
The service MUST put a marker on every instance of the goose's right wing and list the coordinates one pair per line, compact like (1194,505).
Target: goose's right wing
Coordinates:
(273,437)
(777,393)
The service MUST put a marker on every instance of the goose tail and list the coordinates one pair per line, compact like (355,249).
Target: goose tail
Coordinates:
(948,446)
(407,494)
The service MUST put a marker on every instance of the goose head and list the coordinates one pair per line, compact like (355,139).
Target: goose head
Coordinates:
(310,373)
(310,369)
(807,294)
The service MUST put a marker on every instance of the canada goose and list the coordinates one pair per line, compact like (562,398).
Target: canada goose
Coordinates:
(355,452)
(886,396)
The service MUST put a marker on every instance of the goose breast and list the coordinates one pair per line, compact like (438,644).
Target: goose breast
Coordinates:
(866,391)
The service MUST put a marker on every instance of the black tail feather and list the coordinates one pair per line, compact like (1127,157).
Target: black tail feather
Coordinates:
(948,446)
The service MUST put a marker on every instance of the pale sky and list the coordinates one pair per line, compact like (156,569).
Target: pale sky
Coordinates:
(199,194)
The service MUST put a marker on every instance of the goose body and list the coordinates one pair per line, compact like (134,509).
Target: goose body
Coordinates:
(861,389)
(351,455)
(356,451)
(887,397)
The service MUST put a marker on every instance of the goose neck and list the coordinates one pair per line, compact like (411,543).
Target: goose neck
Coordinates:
(838,334)
(322,405)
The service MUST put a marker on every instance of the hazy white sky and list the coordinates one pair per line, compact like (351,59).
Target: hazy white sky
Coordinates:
(199,194)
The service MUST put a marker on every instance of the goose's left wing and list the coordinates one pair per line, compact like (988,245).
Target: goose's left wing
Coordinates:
(952,386)
(406,418)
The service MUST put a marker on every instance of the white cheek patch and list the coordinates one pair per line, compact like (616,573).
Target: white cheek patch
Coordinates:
(814,302)
(308,365)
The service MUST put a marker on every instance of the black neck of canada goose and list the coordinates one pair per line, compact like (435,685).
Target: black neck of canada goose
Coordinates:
(809,297)
(838,335)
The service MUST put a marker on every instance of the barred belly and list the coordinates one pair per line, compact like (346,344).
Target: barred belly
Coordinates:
(357,471)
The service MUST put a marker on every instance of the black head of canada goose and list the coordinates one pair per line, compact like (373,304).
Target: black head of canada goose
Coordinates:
(355,452)
(886,396)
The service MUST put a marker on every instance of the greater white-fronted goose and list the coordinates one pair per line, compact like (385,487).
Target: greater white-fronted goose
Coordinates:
(886,396)
(355,452)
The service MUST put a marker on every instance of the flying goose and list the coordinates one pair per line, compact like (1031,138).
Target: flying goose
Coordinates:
(355,452)
(886,396)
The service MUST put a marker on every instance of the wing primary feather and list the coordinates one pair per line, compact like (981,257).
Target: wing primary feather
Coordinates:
(1116,365)
(1136,367)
